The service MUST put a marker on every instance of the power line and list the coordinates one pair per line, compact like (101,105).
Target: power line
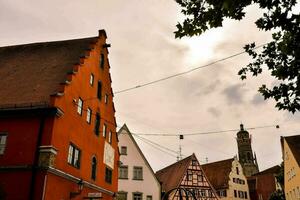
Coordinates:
(205,133)
(184,72)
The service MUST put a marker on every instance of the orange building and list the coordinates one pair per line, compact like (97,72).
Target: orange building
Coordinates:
(57,126)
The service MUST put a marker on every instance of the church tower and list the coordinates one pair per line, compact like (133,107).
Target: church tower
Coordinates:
(246,156)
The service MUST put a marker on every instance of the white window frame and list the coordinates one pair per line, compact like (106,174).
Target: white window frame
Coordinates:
(123,172)
(3,142)
(89,115)
(109,137)
(104,130)
(137,173)
(79,106)
(92,79)
(74,156)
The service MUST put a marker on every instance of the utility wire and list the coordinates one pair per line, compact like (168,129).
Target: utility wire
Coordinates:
(205,133)
(184,72)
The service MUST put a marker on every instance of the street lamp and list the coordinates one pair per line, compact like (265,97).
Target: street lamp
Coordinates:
(80,188)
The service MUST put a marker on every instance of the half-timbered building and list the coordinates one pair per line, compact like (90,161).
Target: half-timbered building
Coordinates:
(186,174)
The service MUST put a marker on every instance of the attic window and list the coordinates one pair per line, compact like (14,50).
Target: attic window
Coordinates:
(79,106)
(102,60)
(194,162)
(123,150)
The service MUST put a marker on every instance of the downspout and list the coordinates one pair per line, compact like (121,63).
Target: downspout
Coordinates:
(36,157)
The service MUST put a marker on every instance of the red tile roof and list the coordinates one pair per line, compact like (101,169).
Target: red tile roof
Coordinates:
(30,73)
(172,175)
(218,173)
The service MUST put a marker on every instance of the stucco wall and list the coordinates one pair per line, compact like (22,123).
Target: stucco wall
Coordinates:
(149,185)
(236,186)
(291,183)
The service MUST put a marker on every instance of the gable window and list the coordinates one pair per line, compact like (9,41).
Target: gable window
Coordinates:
(104,130)
(74,156)
(123,172)
(3,138)
(137,196)
(109,137)
(106,99)
(94,168)
(149,197)
(97,124)
(108,175)
(99,90)
(123,150)
(237,171)
(79,106)
(92,79)
(102,60)
(137,173)
(122,195)
(88,115)
(194,162)
(200,178)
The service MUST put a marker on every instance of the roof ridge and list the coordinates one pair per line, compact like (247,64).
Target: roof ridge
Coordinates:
(176,163)
(218,161)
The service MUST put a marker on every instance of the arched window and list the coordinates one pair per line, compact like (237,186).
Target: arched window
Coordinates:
(94,168)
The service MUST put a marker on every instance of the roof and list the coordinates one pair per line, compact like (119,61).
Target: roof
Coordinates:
(294,144)
(30,73)
(272,170)
(166,175)
(126,129)
(218,172)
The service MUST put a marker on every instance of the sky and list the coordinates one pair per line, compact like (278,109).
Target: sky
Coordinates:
(143,49)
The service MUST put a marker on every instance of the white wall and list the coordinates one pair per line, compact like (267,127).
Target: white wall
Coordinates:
(149,185)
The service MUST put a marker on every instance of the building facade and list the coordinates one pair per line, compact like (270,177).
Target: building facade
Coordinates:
(137,180)
(228,179)
(291,157)
(57,126)
(246,156)
(186,174)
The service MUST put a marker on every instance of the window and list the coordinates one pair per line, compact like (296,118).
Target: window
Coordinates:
(94,168)
(99,90)
(122,196)
(202,193)
(223,193)
(123,150)
(137,173)
(3,138)
(260,197)
(137,196)
(245,195)
(104,130)
(189,177)
(194,162)
(200,178)
(97,123)
(105,98)
(92,79)
(74,156)
(102,60)
(108,175)
(237,171)
(123,172)
(235,193)
(109,137)
(234,180)
(79,106)
(88,115)
(149,197)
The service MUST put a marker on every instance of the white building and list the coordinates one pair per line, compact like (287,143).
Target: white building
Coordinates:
(137,180)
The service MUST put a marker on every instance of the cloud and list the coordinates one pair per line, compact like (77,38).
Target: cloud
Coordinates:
(214,111)
(234,93)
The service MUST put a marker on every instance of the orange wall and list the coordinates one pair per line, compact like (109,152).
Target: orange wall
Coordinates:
(72,127)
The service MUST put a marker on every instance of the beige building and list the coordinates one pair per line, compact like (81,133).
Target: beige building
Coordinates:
(228,179)
(291,156)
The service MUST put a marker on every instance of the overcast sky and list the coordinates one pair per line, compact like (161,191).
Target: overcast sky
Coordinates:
(144,49)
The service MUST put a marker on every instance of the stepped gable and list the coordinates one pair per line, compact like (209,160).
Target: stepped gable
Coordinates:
(218,172)
(171,176)
(30,73)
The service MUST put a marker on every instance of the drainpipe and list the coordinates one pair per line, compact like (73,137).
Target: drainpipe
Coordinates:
(36,157)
